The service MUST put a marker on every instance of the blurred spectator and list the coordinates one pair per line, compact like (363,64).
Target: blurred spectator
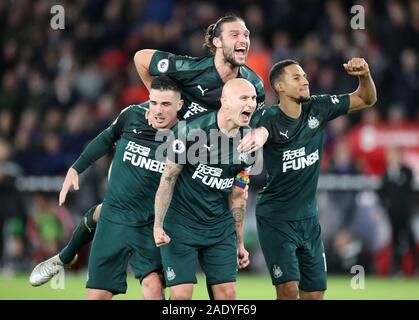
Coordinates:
(12,95)
(64,94)
(89,82)
(259,59)
(407,81)
(6,124)
(12,211)
(364,140)
(344,249)
(49,226)
(396,195)
(39,92)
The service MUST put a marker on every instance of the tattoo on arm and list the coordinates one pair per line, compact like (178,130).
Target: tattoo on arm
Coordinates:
(238,210)
(238,214)
(165,192)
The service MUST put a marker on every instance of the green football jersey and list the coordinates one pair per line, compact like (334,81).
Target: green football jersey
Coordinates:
(292,157)
(201,82)
(135,173)
(210,164)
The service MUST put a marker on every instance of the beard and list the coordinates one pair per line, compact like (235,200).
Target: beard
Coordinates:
(228,54)
(302,99)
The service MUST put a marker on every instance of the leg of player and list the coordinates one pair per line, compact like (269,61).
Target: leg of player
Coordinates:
(98,294)
(224,291)
(287,290)
(315,295)
(152,287)
(82,235)
(181,292)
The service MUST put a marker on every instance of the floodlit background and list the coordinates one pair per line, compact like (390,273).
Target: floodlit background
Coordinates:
(60,88)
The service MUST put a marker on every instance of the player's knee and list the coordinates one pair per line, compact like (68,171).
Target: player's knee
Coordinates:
(316,295)
(180,295)
(96,213)
(98,294)
(227,294)
(224,292)
(287,291)
(181,292)
(152,287)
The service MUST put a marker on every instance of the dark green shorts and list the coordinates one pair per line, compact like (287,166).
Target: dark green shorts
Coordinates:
(218,258)
(116,245)
(294,251)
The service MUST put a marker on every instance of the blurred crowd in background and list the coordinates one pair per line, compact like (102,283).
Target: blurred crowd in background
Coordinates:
(60,88)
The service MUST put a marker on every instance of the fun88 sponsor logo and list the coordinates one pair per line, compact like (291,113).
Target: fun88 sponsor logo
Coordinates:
(296,159)
(137,148)
(137,155)
(211,177)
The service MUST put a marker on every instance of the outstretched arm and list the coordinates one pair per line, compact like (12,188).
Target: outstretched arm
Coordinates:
(71,180)
(142,61)
(238,199)
(163,197)
(366,94)
(97,148)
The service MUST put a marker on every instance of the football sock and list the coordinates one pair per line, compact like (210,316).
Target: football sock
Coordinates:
(83,234)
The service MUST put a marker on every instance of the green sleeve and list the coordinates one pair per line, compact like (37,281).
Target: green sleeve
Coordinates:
(333,105)
(102,144)
(163,63)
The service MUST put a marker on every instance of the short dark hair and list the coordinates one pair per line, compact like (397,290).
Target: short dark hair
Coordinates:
(165,83)
(278,69)
(214,31)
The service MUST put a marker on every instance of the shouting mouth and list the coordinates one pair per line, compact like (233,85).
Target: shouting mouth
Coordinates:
(240,52)
(245,116)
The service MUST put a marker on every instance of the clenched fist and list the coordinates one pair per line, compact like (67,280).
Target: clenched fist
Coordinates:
(357,67)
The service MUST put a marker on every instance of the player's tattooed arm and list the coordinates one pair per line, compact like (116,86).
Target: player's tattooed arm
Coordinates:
(238,199)
(237,202)
(165,192)
(238,215)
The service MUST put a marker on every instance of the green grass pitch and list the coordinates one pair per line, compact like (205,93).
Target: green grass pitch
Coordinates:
(252,287)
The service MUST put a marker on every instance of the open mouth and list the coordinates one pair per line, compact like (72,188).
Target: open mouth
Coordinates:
(246,115)
(241,52)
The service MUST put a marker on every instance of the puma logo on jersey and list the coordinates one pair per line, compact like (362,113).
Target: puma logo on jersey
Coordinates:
(284,134)
(136,132)
(202,90)
(208,148)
